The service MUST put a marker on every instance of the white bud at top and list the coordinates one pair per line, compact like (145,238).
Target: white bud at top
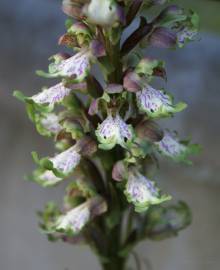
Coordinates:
(101,12)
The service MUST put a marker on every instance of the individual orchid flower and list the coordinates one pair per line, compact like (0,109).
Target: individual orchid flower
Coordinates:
(112,131)
(102,12)
(75,67)
(173,148)
(142,192)
(45,100)
(157,103)
(62,164)
(175,28)
(77,218)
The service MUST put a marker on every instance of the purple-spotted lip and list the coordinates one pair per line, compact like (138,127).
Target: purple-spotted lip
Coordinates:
(52,95)
(75,65)
(152,99)
(170,145)
(140,188)
(66,161)
(112,127)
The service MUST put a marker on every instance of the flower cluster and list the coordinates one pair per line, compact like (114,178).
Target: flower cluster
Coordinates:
(105,131)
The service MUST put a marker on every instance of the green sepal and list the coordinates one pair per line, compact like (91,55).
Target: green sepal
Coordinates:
(48,217)
(147,66)
(74,128)
(37,177)
(77,191)
(31,105)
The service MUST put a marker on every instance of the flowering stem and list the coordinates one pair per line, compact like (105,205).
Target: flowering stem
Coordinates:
(115,264)
(106,134)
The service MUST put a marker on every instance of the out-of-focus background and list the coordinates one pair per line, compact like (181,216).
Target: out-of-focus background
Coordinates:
(29,30)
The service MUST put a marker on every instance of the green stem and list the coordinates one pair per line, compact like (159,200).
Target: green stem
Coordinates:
(115,264)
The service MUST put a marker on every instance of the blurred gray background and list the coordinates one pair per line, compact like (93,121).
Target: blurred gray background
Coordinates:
(29,30)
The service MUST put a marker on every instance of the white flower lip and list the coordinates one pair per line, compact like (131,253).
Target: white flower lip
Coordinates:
(112,131)
(75,219)
(51,95)
(78,217)
(152,100)
(140,189)
(76,66)
(108,128)
(66,161)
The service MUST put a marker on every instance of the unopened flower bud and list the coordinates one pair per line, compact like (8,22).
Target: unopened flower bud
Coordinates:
(163,38)
(102,12)
(149,130)
(119,172)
